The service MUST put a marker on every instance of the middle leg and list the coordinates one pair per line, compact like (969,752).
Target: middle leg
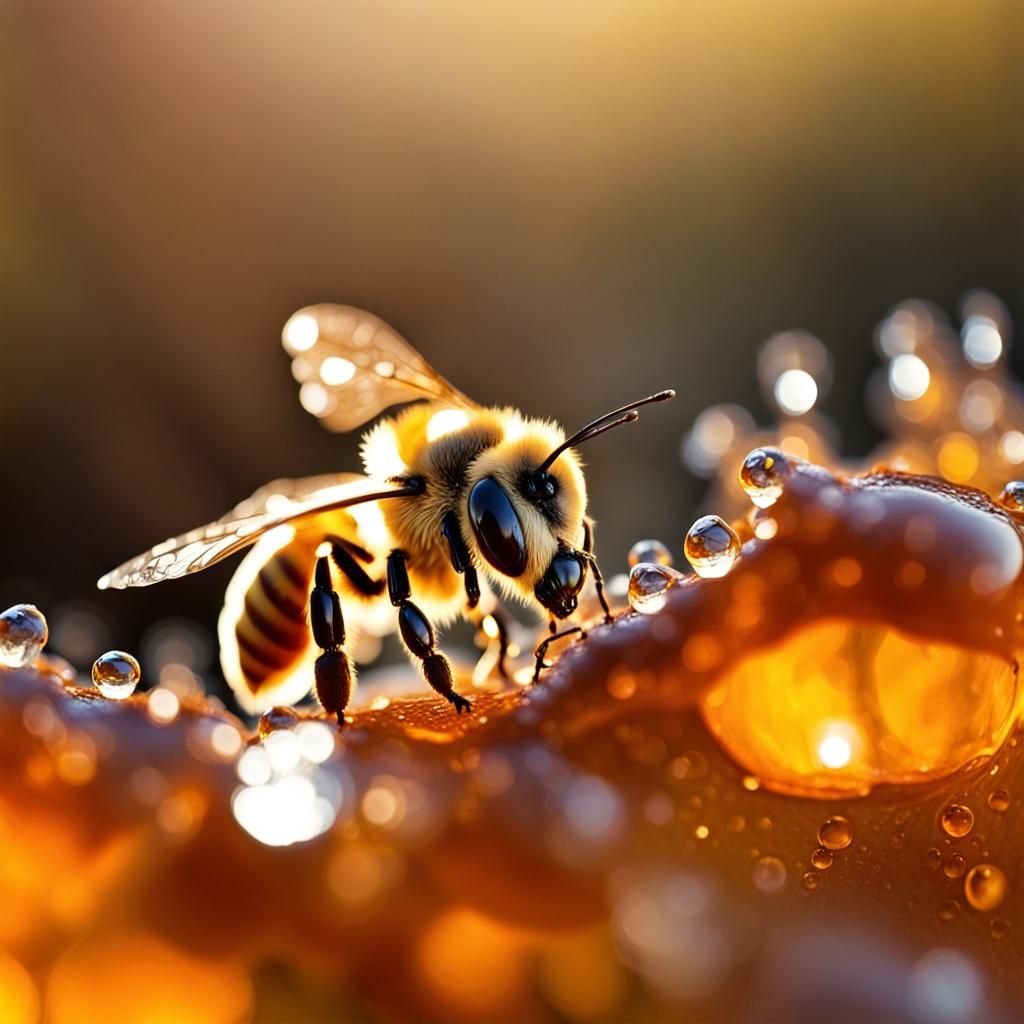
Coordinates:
(418,634)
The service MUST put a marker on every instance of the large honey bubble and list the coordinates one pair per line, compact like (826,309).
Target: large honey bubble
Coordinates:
(841,706)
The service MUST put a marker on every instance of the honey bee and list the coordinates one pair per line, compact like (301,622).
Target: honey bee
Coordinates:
(450,487)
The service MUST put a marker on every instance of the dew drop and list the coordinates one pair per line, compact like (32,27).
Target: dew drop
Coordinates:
(835,832)
(999,800)
(933,858)
(116,674)
(949,910)
(956,820)
(898,840)
(954,867)
(822,858)
(649,584)
(23,634)
(811,880)
(762,476)
(1012,497)
(649,551)
(711,547)
(985,886)
(769,875)
(999,927)
(276,718)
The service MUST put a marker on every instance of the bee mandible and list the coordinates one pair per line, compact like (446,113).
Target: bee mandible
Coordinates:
(450,488)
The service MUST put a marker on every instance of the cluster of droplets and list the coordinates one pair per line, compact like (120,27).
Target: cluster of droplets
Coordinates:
(23,635)
(711,546)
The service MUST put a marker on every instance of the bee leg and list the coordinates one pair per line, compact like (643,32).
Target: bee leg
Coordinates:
(332,670)
(588,552)
(542,648)
(418,634)
(344,554)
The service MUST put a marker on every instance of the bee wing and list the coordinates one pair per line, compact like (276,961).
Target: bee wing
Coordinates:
(276,504)
(351,366)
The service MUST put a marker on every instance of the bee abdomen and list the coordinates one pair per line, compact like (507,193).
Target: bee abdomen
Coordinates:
(272,631)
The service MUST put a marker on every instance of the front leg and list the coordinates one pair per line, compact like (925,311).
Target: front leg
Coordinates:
(418,634)
(588,552)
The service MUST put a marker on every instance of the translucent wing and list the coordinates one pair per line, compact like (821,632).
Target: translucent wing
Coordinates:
(280,502)
(351,366)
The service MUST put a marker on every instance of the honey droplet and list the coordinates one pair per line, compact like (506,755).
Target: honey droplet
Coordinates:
(23,634)
(933,858)
(762,476)
(711,547)
(999,800)
(954,867)
(956,820)
(985,886)
(811,880)
(822,858)
(1012,497)
(649,551)
(116,674)
(898,840)
(835,833)
(949,910)
(649,584)
(999,927)
(276,718)
(769,875)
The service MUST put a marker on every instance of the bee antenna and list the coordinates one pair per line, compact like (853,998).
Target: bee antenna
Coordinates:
(615,418)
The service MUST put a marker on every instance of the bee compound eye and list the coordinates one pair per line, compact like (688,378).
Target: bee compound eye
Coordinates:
(497,528)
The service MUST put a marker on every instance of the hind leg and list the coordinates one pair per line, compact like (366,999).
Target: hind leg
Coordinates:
(332,671)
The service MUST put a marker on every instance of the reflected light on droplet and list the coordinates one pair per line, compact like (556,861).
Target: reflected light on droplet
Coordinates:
(335,370)
(838,745)
(300,333)
(796,392)
(445,422)
(909,377)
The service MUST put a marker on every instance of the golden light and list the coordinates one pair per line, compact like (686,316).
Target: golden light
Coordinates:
(446,422)
(335,371)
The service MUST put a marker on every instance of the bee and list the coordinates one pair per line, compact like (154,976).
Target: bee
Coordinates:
(450,488)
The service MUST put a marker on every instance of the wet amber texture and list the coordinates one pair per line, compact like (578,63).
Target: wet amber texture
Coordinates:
(585,849)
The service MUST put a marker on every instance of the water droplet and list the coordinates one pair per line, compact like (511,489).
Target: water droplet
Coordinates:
(763,474)
(811,880)
(898,840)
(822,858)
(954,867)
(956,820)
(1012,497)
(276,718)
(769,874)
(23,634)
(985,886)
(649,551)
(999,927)
(711,547)
(116,674)
(649,584)
(999,800)
(949,910)
(933,858)
(835,832)
(751,783)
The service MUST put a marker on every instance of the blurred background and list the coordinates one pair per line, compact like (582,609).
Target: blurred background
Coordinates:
(563,207)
